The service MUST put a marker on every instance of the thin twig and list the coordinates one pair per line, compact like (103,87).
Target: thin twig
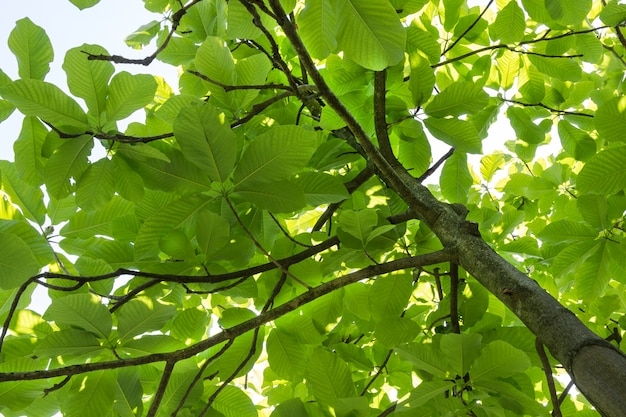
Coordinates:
(466,31)
(547,369)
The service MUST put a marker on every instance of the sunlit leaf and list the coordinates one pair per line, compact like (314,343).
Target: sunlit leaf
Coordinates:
(17,263)
(317,23)
(83,311)
(32,48)
(329,377)
(604,173)
(128,93)
(457,99)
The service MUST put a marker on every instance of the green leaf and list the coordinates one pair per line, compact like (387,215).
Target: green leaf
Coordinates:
(129,93)
(499,360)
(88,79)
(459,98)
(179,51)
(86,224)
(142,315)
(513,397)
(613,14)
(317,24)
(329,377)
(510,23)
(278,197)
(610,119)
(84,311)
(524,127)
(32,48)
(394,331)
(576,142)
(389,295)
(605,173)
(285,355)
(293,407)
(320,188)
(370,33)
(458,133)
(190,324)
(359,223)
(84,4)
(67,164)
(45,101)
(207,140)
(275,156)
(593,275)
(212,232)
(91,395)
(422,79)
(178,214)
(566,231)
(233,402)
(17,263)
(461,350)
(29,199)
(426,391)
(68,343)
(455,179)
(594,209)
(143,35)
(566,69)
(97,185)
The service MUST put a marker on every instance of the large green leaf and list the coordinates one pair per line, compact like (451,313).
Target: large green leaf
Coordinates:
(561,68)
(605,173)
(499,360)
(212,232)
(233,402)
(320,188)
(83,311)
(179,213)
(523,125)
(329,377)
(92,395)
(142,315)
(207,140)
(88,79)
(612,13)
(29,161)
(97,185)
(458,133)
(275,156)
(610,119)
(455,179)
(88,223)
(370,33)
(358,224)
(422,79)
(565,231)
(68,343)
(389,295)
(279,196)
(459,98)
(66,165)
(45,101)
(17,263)
(317,24)
(285,355)
(510,23)
(129,93)
(32,48)
(394,331)
(461,350)
(576,142)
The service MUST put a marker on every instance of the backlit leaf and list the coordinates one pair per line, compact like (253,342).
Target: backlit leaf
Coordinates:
(604,173)
(17,263)
(32,48)
(83,311)
(459,98)
(329,377)
(128,93)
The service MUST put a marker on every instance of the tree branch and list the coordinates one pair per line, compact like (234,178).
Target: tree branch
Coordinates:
(235,331)
(547,369)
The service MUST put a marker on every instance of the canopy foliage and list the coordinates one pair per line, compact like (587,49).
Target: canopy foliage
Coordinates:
(258,242)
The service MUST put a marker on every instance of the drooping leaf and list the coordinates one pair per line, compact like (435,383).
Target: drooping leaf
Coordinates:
(458,133)
(32,48)
(143,35)
(27,197)
(455,179)
(370,33)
